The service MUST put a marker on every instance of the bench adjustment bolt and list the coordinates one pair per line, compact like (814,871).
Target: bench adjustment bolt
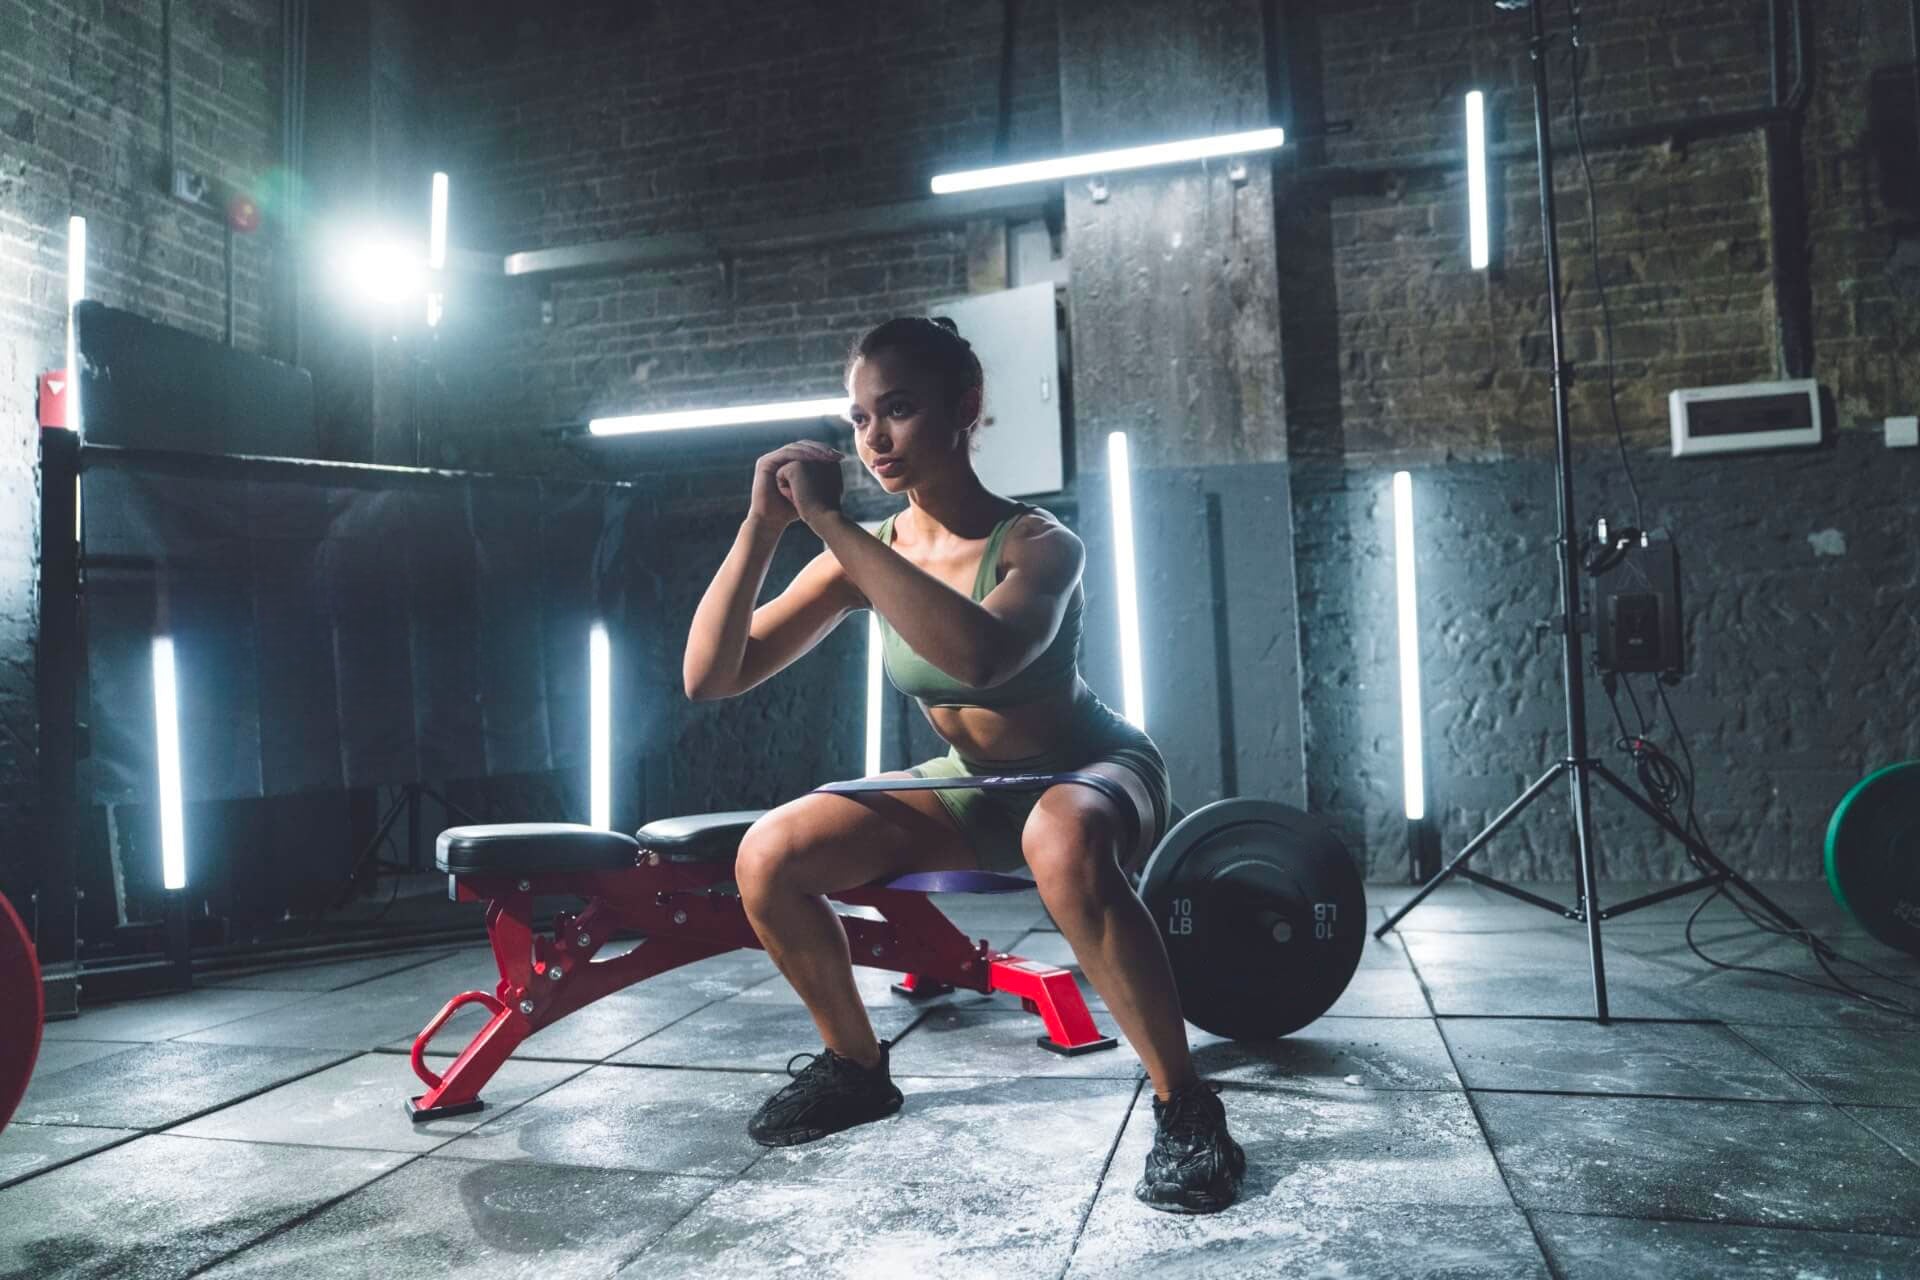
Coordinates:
(525,885)
(679,917)
(556,972)
(526,1007)
(584,940)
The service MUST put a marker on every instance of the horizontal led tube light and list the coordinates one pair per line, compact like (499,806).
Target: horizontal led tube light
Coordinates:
(735,416)
(1226,144)
(1477,250)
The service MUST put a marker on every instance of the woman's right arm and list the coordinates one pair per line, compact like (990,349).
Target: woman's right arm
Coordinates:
(732,646)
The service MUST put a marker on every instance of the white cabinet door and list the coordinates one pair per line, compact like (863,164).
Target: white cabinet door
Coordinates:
(1013,333)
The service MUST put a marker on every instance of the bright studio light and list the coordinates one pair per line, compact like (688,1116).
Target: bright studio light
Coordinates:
(600,727)
(875,705)
(1413,773)
(1227,144)
(1120,477)
(1477,247)
(734,416)
(76,290)
(384,272)
(437,246)
(166,742)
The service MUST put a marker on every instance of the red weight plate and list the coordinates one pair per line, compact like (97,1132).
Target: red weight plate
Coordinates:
(22,1010)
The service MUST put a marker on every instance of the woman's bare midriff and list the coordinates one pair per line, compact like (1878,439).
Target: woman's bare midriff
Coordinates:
(1007,733)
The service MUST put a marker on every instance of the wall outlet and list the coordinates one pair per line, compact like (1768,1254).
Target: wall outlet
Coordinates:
(192,187)
(1903,433)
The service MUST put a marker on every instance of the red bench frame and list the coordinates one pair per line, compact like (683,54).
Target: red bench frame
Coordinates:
(688,911)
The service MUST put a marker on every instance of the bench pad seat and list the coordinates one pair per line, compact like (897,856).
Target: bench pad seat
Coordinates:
(533,848)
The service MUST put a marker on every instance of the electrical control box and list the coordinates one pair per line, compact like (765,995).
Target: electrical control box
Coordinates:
(1636,610)
(1752,415)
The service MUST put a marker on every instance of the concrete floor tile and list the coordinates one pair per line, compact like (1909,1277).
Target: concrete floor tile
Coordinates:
(162,1207)
(1601,1248)
(58,1055)
(590,1034)
(1381,992)
(1355,1149)
(1776,1001)
(1023,1132)
(1538,993)
(654,1120)
(980,1229)
(156,1018)
(1338,1054)
(325,975)
(1859,1065)
(747,1035)
(1757,1163)
(1285,1235)
(996,1041)
(1577,1055)
(876,992)
(351,1021)
(362,1104)
(1898,1125)
(161,1084)
(440,1217)
(27,1150)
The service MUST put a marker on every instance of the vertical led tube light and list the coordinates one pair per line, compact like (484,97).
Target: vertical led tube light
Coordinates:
(1413,770)
(166,741)
(1478,250)
(875,689)
(600,727)
(437,247)
(76,290)
(1120,477)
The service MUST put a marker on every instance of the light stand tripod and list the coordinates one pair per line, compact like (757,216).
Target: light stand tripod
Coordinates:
(1578,766)
(408,799)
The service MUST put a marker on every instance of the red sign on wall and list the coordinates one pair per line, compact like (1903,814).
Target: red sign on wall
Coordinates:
(53,398)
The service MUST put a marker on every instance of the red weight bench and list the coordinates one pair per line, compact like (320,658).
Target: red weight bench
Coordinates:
(673,883)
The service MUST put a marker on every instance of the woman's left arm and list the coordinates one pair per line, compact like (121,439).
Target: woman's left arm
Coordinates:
(979,643)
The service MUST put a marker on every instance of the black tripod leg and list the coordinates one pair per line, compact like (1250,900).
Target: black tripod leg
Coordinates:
(1697,849)
(1493,828)
(373,847)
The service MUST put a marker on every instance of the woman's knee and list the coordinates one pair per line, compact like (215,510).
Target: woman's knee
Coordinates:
(1073,851)
(768,854)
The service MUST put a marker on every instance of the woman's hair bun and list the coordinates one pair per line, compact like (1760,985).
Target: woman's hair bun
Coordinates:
(947,323)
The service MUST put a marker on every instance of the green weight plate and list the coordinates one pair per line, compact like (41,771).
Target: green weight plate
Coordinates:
(1873,855)
(1263,915)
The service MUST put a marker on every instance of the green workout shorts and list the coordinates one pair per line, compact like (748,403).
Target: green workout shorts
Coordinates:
(991,821)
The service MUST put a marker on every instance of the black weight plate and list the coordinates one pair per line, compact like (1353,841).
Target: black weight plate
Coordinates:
(1263,915)
(1873,855)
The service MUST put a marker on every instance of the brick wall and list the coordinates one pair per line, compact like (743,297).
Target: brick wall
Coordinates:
(81,133)
(599,121)
(599,124)
(1397,354)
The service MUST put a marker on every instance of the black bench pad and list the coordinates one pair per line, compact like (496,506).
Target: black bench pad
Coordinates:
(531,848)
(699,837)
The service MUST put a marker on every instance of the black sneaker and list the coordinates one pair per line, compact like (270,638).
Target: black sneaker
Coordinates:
(827,1095)
(1195,1165)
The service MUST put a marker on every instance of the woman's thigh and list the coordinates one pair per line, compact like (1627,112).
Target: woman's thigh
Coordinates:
(823,843)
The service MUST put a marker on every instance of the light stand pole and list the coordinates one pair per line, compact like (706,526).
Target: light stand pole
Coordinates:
(1579,767)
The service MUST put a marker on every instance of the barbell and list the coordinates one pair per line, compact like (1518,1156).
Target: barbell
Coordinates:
(1260,906)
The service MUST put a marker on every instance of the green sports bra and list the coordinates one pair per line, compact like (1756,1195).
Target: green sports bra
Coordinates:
(1055,669)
